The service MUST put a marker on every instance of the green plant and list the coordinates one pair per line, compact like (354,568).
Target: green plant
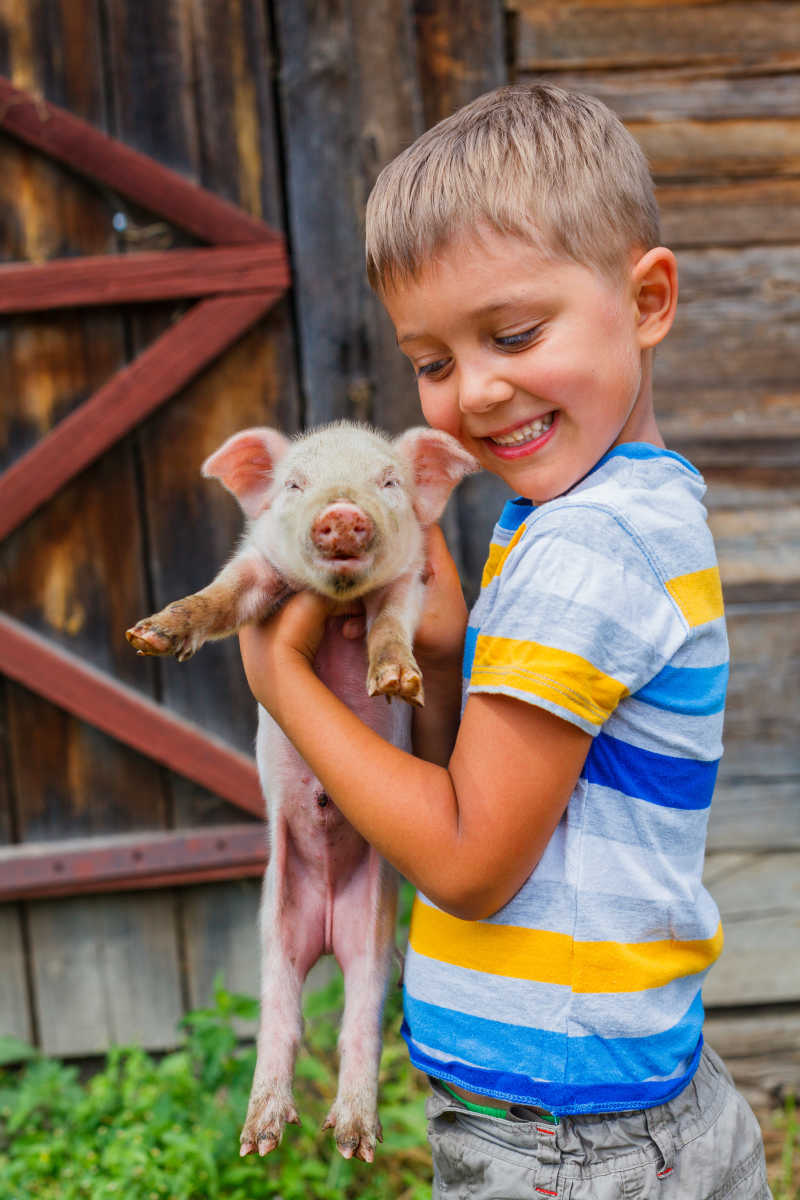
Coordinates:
(786,1186)
(147,1129)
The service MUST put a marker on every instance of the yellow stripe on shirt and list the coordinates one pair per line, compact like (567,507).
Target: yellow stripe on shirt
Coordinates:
(698,595)
(497,557)
(556,675)
(538,954)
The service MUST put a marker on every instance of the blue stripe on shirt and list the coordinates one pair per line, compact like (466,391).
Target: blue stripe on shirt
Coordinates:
(514,513)
(470,642)
(540,1053)
(557,1098)
(658,778)
(695,691)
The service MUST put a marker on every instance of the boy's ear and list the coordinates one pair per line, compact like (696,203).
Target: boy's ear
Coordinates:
(655,288)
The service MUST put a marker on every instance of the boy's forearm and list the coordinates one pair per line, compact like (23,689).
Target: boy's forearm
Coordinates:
(435,726)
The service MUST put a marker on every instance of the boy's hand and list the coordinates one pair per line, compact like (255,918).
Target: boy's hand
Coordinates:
(288,640)
(439,640)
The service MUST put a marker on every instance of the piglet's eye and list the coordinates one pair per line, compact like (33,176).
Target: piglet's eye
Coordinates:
(292,485)
(391,482)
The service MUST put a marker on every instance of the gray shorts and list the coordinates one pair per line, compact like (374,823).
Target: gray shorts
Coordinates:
(703,1145)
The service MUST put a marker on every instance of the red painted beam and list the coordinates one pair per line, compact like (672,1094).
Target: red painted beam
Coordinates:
(123,713)
(131,861)
(70,140)
(166,365)
(129,278)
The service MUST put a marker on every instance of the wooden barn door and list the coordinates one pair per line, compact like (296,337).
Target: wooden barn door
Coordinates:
(102,511)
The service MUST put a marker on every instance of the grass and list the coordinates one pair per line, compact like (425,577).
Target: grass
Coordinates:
(144,1128)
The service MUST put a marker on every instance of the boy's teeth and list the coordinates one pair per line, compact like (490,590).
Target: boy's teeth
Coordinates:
(526,433)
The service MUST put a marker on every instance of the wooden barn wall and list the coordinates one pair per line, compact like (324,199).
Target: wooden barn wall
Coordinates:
(289,108)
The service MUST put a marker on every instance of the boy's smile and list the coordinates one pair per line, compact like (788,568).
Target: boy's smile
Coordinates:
(533,363)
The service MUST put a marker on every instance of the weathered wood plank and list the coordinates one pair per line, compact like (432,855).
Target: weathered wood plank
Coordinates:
(80,145)
(135,391)
(125,862)
(221,925)
(737,91)
(726,372)
(116,983)
(93,696)
(758,551)
(762,710)
(714,116)
(759,900)
(210,63)
(156,275)
(761,1047)
(757,800)
(718,213)
(349,103)
(15,1017)
(596,33)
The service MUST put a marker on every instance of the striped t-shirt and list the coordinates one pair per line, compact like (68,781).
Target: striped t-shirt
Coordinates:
(582,994)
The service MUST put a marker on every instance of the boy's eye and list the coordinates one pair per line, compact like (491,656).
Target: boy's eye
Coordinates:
(515,341)
(433,369)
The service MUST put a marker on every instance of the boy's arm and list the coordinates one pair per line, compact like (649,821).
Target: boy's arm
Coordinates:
(468,834)
(439,648)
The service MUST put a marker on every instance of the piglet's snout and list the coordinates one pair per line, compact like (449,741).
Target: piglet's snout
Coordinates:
(342,530)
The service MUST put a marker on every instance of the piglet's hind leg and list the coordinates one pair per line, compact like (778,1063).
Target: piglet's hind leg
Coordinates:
(363,942)
(292,933)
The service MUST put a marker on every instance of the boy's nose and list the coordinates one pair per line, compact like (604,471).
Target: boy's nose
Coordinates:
(479,392)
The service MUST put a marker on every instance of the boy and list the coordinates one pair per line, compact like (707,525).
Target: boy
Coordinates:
(555,830)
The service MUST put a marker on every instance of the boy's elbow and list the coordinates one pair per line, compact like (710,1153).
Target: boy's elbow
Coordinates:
(469,903)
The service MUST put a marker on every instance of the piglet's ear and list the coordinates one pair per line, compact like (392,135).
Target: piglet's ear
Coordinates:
(245,463)
(439,463)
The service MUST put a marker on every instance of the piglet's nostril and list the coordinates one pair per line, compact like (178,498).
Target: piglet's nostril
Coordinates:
(342,530)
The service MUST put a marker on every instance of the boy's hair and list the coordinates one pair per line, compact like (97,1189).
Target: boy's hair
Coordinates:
(555,168)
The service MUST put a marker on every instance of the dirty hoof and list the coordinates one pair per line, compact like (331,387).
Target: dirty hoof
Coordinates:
(355,1135)
(397,677)
(166,633)
(263,1129)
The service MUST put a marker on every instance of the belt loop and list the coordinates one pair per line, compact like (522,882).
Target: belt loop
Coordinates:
(547,1184)
(661,1135)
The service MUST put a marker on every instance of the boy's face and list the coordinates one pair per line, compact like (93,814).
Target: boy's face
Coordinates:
(534,364)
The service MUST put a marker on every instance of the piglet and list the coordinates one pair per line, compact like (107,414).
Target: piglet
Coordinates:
(341,510)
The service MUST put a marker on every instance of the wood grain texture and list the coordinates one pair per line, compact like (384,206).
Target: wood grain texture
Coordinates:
(131,395)
(131,862)
(93,696)
(156,275)
(759,900)
(599,34)
(80,145)
(59,573)
(210,61)
(118,983)
(15,1015)
(350,101)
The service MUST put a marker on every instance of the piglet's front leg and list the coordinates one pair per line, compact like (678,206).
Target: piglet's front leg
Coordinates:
(392,615)
(247,589)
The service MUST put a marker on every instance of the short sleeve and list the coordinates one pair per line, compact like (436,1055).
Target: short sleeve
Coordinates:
(574,617)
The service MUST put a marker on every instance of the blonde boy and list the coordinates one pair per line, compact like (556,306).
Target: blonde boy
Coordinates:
(554,826)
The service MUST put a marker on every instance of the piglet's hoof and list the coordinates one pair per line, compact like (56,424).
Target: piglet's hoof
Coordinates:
(168,632)
(391,675)
(263,1128)
(355,1135)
